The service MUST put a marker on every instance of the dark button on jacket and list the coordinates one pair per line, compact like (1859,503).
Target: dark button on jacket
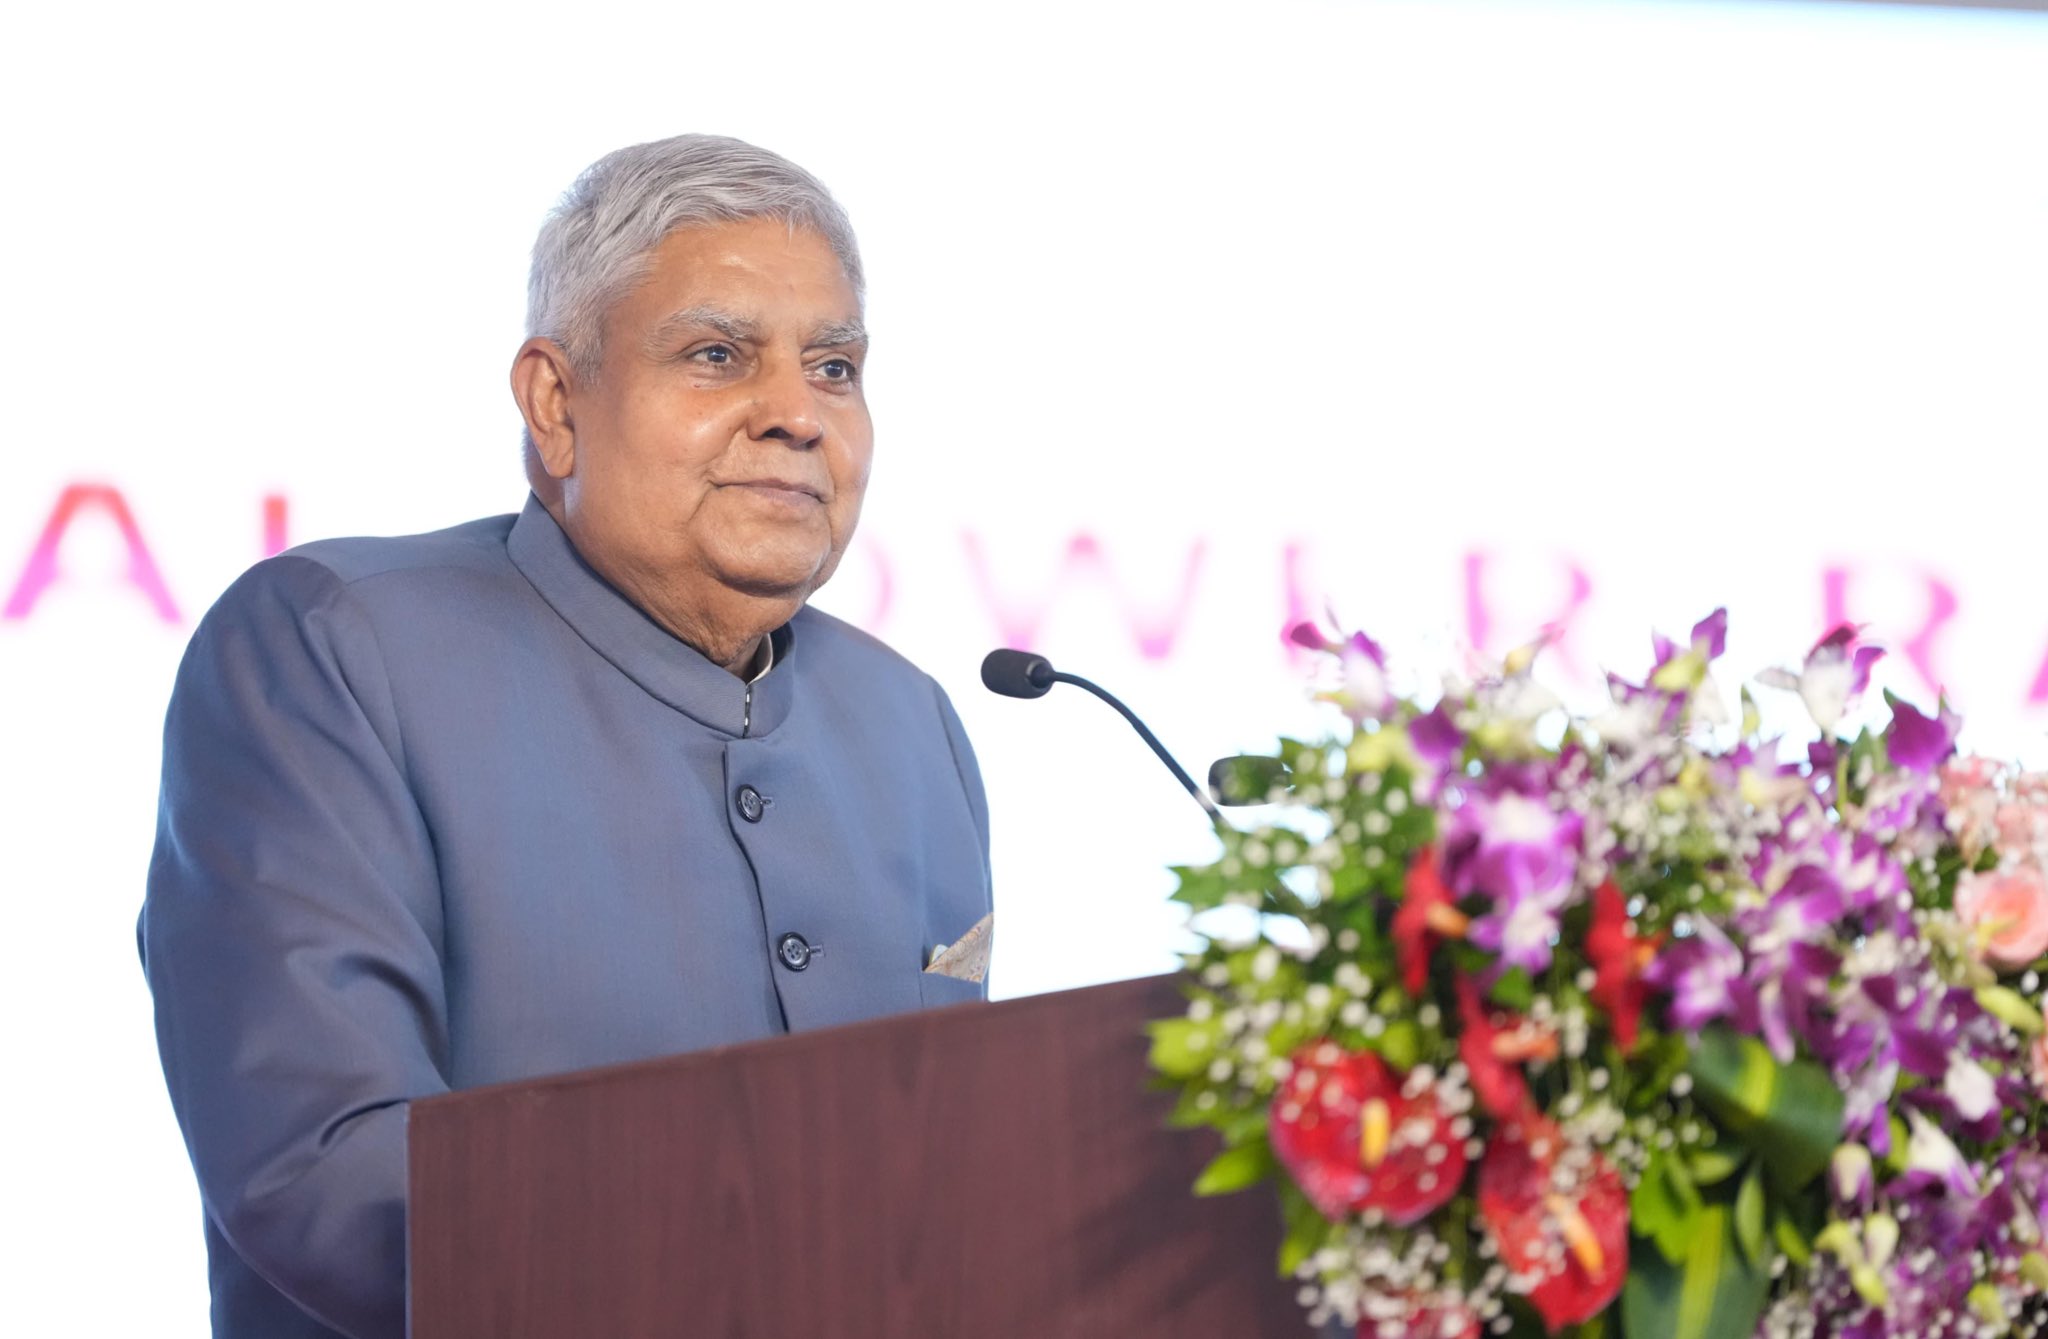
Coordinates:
(795,952)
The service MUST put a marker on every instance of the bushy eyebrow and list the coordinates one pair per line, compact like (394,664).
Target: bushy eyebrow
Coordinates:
(733,327)
(740,330)
(839,334)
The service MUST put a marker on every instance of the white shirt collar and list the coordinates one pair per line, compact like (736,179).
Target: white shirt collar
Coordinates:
(764,659)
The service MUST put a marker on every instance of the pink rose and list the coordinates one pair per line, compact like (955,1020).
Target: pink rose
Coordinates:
(2008,911)
(2019,827)
(1970,773)
(1969,793)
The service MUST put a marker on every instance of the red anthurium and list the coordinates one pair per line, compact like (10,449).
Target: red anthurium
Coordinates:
(1619,959)
(1353,1141)
(1493,1048)
(1559,1216)
(1427,914)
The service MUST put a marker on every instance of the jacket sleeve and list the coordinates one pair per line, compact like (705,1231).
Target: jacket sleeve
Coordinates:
(969,771)
(292,937)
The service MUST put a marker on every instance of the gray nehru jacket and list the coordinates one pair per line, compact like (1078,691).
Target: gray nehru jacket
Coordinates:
(448,810)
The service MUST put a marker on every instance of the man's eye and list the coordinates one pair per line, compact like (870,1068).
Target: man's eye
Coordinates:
(716,354)
(839,369)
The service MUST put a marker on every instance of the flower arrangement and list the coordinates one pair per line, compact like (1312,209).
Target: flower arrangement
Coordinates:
(1624,1024)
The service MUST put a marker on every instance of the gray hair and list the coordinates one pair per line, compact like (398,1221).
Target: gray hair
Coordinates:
(597,243)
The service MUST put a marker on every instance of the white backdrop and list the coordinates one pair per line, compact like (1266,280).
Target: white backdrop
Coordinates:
(1189,318)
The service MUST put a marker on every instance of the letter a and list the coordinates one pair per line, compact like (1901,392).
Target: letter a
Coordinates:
(42,560)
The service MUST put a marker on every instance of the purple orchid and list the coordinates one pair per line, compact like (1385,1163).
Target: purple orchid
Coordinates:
(1903,811)
(1700,971)
(1522,931)
(1792,997)
(1836,672)
(1513,847)
(1512,844)
(1436,738)
(1932,1159)
(1364,693)
(1709,638)
(1920,743)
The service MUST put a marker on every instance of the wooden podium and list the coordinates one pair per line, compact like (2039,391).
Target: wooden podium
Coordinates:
(990,1171)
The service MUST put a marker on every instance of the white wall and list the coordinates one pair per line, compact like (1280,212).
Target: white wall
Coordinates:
(1704,299)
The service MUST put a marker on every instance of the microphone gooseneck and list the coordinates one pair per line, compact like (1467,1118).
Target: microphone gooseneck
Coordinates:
(1024,674)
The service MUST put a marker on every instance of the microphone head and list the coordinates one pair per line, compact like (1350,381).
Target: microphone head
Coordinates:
(1248,778)
(1016,673)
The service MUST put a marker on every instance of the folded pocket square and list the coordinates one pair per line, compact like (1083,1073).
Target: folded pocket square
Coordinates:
(966,958)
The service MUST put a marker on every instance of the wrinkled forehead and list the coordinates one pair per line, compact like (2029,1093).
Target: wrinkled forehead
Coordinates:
(747,281)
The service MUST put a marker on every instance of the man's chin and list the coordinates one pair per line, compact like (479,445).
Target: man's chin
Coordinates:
(790,581)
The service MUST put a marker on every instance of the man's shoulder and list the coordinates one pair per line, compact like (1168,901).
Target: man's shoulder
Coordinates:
(474,546)
(842,648)
(387,580)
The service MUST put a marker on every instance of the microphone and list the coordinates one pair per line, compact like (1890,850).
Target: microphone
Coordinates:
(1017,673)
(1024,674)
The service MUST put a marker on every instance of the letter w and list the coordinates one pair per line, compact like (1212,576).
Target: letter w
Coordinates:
(1020,621)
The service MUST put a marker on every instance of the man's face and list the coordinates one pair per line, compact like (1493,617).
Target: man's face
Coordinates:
(724,444)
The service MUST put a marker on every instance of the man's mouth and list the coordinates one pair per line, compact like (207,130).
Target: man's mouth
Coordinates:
(790,489)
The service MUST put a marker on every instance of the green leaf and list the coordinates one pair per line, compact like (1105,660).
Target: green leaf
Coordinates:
(1236,1167)
(1239,1123)
(1656,1064)
(1711,1292)
(1514,990)
(1711,1166)
(1201,887)
(1188,1112)
(1651,1203)
(1400,1044)
(1791,1115)
(2011,1008)
(1181,1047)
(1894,1160)
(1793,1242)
(1307,1229)
(1749,1217)
(1683,1187)
(1664,1206)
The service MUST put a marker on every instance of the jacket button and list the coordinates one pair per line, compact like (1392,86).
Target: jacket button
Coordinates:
(794,951)
(752,806)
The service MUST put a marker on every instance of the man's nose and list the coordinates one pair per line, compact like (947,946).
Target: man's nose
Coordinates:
(785,407)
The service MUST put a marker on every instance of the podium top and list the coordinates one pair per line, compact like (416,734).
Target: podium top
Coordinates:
(999,1170)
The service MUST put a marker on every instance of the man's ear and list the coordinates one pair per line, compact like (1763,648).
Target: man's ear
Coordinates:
(542,380)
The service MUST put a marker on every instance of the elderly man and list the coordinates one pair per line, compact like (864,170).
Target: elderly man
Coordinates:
(584,785)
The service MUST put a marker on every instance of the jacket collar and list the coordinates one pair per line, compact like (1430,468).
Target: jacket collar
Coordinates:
(667,667)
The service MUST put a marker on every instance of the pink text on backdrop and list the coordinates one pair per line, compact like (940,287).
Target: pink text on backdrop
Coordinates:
(1305,604)
(1918,646)
(1019,618)
(43,568)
